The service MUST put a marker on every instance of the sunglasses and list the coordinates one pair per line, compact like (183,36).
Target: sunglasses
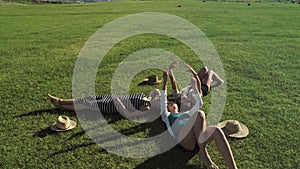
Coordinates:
(147,103)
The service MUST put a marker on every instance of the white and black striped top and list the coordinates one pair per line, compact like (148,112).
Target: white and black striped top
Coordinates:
(105,103)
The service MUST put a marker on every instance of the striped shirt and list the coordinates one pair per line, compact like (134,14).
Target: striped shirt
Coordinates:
(105,103)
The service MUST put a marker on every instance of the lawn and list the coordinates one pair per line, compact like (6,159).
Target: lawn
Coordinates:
(258,44)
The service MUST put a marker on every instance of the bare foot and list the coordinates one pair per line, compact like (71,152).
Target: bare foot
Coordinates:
(55,101)
(209,164)
(218,83)
(213,166)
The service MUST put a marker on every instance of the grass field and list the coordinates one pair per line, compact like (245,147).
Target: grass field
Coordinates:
(259,46)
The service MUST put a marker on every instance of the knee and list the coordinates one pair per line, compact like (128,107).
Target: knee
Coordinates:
(205,69)
(201,114)
(219,132)
(202,72)
(190,147)
(210,72)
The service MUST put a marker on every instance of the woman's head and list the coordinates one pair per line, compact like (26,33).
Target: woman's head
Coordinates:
(153,104)
(172,107)
(146,104)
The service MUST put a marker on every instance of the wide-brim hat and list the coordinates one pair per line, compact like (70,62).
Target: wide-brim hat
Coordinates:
(151,80)
(234,128)
(63,123)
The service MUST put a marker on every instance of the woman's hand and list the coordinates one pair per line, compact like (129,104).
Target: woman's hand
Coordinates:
(173,64)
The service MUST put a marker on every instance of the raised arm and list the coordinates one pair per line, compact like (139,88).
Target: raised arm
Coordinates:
(163,98)
(172,77)
(194,74)
(197,97)
(165,80)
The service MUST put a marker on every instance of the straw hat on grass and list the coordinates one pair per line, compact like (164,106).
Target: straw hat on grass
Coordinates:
(234,128)
(63,123)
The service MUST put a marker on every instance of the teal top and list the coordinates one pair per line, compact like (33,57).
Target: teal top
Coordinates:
(177,121)
(170,118)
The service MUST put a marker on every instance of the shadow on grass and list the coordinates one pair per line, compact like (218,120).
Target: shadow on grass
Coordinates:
(48,111)
(45,132)
(74,148)
(176,157)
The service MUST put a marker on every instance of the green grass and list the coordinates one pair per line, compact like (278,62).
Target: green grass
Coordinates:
(258,45)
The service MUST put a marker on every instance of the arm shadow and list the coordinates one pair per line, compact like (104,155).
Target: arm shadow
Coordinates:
(48,111)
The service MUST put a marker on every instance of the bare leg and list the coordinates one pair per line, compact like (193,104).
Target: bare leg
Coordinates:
(205,135)
(211,133)
(199,129)
(194,127)
(62,103)
(190,140)
(207,79)
(222,145)
(211,76)
(204,156)
(69,107)
(216,78)
(202,72)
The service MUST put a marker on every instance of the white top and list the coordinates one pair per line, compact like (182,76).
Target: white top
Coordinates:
(164,111)
(187,90)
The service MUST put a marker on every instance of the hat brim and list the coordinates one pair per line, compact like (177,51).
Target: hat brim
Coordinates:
(243,132)
(72,125)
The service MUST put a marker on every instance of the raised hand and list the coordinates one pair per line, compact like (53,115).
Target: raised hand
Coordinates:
(173,64)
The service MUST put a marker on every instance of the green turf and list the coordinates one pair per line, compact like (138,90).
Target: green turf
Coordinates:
(258,46)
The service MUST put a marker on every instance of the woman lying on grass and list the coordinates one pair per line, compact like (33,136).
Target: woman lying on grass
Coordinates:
(189,128)
(135,104)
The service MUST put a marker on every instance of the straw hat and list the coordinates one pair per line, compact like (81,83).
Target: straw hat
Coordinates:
(152,80)
(234,128)
(63,123)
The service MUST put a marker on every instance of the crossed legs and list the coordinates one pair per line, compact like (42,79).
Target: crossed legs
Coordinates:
(196,132)
(208,76)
